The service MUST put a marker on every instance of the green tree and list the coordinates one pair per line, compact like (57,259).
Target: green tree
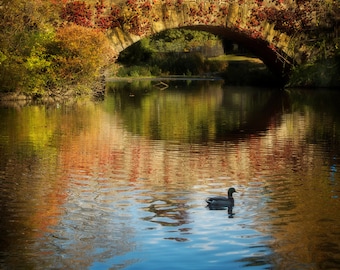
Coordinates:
(25,28)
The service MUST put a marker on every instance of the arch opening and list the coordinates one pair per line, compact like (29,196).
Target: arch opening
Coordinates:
(276,61)
(254,49)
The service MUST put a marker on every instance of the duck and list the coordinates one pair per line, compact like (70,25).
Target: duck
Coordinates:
(221,202)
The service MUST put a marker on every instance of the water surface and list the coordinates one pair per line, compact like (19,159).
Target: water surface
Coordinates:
(121,183)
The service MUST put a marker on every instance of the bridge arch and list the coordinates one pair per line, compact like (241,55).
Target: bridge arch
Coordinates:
(272,59)
(244,22)
(276,61)
(252,23)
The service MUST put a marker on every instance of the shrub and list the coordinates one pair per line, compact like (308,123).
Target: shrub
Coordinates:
(135,71)
(323,73)
(81,52)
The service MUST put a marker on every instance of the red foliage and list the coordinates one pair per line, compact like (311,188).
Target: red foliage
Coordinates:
(77,12)
(286,20)
(168,3)
(146,5)
(116,17)
(132,4)
(212,8)
(224,10)
(137,15)
(290,19)
(179,3)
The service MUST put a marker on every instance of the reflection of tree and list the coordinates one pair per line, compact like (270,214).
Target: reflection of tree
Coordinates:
(162,115)
(201,113)
(301,209)
(84,187)
(29,204)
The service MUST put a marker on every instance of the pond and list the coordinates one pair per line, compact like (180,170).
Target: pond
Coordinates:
(121,183)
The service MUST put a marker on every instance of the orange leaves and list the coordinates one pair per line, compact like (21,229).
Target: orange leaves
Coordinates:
(83,51)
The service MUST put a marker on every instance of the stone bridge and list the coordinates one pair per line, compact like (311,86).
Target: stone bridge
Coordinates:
(271,29)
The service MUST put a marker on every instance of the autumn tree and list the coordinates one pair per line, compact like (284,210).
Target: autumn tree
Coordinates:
(80,52)
(38,52)
(25,29)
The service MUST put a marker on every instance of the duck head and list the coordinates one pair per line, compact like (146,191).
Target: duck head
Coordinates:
(231,191)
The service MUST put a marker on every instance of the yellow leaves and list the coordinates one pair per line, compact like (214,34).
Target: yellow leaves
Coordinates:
(3,57)
(37,60)
(85,50)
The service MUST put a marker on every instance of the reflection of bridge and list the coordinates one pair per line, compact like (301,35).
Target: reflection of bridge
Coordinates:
(269,28)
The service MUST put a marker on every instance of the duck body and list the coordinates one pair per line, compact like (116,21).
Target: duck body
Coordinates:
(220,202)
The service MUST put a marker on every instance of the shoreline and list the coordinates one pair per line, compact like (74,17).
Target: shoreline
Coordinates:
(163,78)
(22,98)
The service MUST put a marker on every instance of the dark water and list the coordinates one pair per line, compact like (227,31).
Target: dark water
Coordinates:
(121,183)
